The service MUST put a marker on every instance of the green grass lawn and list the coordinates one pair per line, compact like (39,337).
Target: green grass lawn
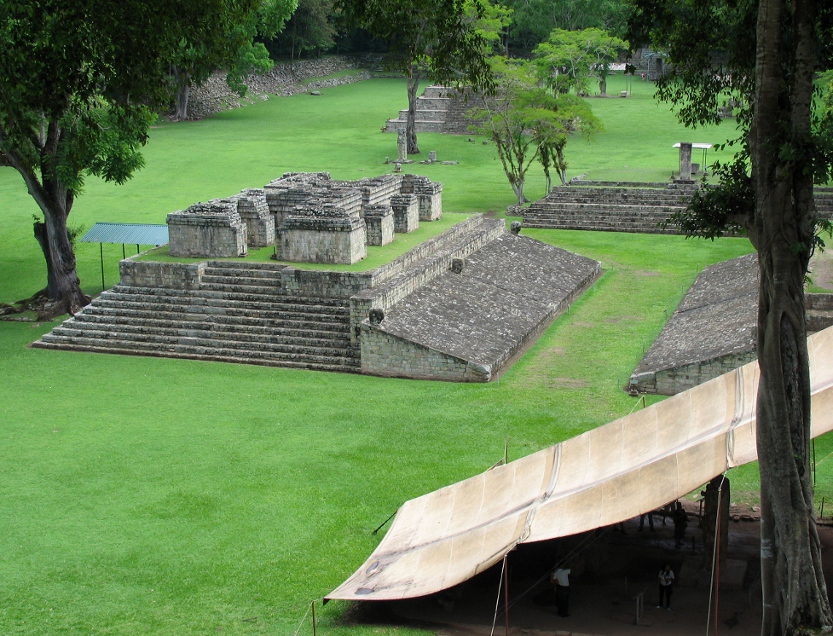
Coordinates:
(155,496)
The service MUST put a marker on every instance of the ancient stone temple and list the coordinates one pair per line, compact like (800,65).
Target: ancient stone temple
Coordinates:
(308,217)
(212,229)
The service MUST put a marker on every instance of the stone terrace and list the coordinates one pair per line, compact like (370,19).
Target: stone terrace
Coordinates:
(612,207)
(710,333)
(622,206)
(464,326)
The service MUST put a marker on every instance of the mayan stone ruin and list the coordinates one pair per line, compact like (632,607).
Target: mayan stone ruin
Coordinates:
(308,216)
(460,306)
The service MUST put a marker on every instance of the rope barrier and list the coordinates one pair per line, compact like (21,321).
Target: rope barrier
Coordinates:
(295,633)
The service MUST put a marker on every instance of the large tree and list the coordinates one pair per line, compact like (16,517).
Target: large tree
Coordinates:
(766,53)
(76,83)
(224,40)
(428,38)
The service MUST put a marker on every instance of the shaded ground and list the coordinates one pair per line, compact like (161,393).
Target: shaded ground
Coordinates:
(617,569)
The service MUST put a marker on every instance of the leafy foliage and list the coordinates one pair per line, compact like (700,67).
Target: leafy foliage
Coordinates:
(78,82)
(568,58)
(527,122)
(228,41)
(434,38)
(534,20)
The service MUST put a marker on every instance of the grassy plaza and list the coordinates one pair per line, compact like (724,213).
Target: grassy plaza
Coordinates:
(159,496)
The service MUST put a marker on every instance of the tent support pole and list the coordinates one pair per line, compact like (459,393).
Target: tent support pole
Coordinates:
(101,256)
(314,631)
(506,589)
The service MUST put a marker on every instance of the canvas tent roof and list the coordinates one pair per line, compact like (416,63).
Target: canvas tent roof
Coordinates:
(615,472)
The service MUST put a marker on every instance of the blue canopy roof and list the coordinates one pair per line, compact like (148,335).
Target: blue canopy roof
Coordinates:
(136,233)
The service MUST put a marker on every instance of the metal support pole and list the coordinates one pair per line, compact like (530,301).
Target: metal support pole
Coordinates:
(101,255)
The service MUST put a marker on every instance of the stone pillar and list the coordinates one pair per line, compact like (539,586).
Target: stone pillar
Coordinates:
(685,161)
(402,145)
(405,213)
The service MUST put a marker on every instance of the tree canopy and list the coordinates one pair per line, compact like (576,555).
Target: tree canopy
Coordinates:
(428,38)
(78,82)
(229,42)
(567,59)
(528,123)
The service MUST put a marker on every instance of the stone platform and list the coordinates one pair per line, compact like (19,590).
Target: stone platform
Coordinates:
(711,332)
(459,306)
(714,329)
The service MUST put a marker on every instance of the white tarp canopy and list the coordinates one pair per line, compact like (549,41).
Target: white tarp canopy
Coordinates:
(617,471)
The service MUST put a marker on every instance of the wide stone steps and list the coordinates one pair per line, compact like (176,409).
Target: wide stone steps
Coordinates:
(213,354)
(303,334)
(212,297)
(252,303)
(239,315)
(166,338)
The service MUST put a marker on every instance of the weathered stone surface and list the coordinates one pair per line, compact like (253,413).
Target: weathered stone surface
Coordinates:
(379,222)
(254,211)
(324,234)
(212,229)
(711,332)
(467,326)
(405,213)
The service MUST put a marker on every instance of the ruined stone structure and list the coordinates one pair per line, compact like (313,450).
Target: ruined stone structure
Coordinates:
(212,229)
(309,216)
(713,331)
(460,307)
(439,109)
(622,206)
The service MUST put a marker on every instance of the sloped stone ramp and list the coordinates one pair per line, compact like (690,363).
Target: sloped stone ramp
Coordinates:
(468,323)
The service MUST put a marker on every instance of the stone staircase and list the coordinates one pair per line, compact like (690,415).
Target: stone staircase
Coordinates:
(439,109)
(613,208)
(237,313)
(623,206)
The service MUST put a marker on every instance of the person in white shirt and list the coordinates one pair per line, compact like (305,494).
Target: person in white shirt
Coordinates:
(561,578)
(666,586)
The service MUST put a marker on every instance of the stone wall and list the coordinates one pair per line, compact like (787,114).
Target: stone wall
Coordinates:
(254,212)
(387,355)
(323,234)
(157,274)
(687,376)
(211,230)
(214,95)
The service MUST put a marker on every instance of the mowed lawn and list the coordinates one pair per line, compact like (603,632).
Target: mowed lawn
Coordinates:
(154,496)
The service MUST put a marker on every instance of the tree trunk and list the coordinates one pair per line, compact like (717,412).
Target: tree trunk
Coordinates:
(518,189)
(410,127)
(794,591)
(63,287)
(183,93)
